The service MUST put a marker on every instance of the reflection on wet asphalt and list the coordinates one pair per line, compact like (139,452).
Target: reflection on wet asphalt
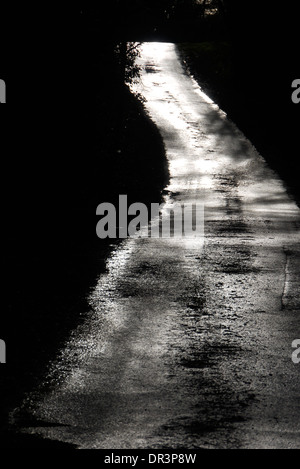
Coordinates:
(188,341)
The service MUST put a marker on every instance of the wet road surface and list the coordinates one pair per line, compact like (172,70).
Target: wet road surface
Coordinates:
(187,343)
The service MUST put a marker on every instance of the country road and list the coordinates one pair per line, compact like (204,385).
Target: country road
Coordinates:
(188,342)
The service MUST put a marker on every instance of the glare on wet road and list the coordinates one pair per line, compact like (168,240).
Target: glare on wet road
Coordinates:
(188,341)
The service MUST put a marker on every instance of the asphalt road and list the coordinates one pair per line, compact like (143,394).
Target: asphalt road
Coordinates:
(188,341)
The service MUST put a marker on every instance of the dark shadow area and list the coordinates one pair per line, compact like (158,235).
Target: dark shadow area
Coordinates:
(73,136)
(12,440)
(249,74)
